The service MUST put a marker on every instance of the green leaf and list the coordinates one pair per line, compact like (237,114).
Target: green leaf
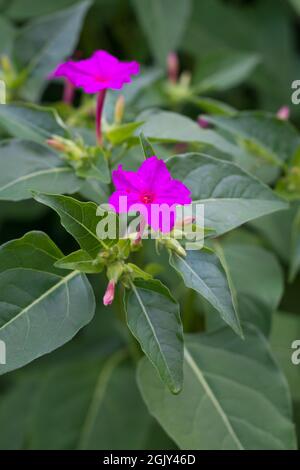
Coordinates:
(146,146)
(21,10)
(258,281)
(39,309)
(35,250)
(103,399)
(6,35)
(153,318)
(81,261)
(213,106)
(96,167)
(202,271)
(262,134)
(120,133)
(166,126)
(164,23)
(233,388)
(221,71)
(32,122)
(295,247)
(78,218)
(44,43)
(27,166)
(230,196)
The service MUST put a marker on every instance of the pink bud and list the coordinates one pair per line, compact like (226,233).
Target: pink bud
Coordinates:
(69,91)
(283,113)
(203,122)
(109,294)
(55,144)
(173,67)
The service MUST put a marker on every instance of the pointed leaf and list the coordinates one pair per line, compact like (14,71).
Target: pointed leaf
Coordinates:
(234,396)
(27,166)
(230,196)
(154,319)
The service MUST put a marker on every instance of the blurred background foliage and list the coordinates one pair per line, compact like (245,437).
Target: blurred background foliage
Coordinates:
(209,36)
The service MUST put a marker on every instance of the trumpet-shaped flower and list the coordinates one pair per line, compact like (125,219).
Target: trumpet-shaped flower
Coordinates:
(96,75)
(150,191)
(99,72)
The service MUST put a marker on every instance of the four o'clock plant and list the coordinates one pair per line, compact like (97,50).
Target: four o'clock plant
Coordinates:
(47,296)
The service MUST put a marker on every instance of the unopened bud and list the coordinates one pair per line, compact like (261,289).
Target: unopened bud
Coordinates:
(173,67)
(119,109)
(283,113)
(203,123)
(173,245)
(56,144)
(6,64)
(109,293)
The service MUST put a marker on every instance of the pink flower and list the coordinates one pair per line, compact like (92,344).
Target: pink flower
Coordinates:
(99,72)
(283,113)
(109,294)
(151,191)
(96,75)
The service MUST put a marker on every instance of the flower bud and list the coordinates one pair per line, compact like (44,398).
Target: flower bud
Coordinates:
(173,67)
(109,293)
(119,109)
(173,245)
(283,113)
(203,123)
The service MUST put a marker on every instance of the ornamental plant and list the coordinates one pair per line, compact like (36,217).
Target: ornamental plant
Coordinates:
(157,282)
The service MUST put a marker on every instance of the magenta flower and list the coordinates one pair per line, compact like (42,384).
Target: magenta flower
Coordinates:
(150,191)
(96,75)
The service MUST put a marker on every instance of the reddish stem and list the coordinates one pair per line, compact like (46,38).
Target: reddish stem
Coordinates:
(99,109)
(69,91)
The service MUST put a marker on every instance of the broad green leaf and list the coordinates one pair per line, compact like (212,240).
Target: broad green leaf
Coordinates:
(164,23)
(6,35)
(295,246)
(255,271)
(44,43)
(154,319)
(16,405)
(261,134)
(166,126)
(234,396)
(230,196)
(32,122)
(257,280)
(213,106)
(35,250)
(146,146)
(78,218)
(26,9)
(103,400)
(27,166)
(39,309)
(81,261)
(202,271)
(223,70)
(275,230)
